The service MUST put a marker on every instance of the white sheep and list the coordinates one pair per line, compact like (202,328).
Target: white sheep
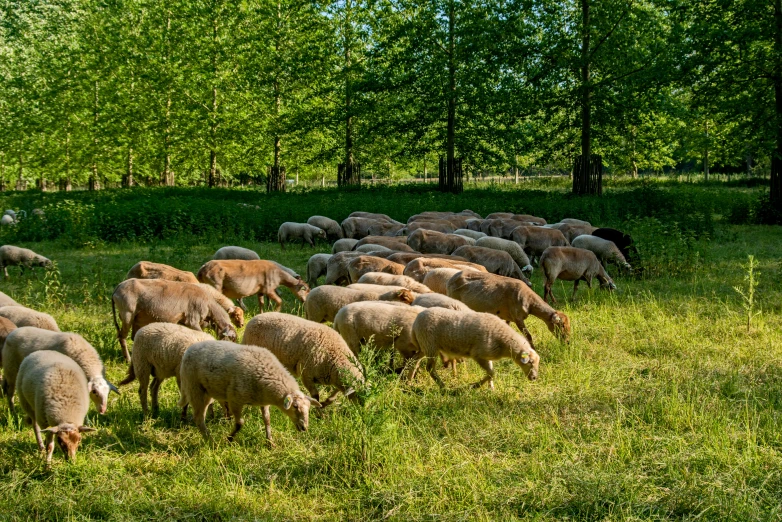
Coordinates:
(6,300)
(604,249)
(369,247)
(157,351)
(572,264)
(22,257)
(481,337)
(344,245)
(316,267)
(332,228)
(381,278)
(23,316)
(236,252)
(23,341)
(381,289)
(324,302)
(7,220)
(435,300)
(436,279)
(511,247)
(474,234)
(307,233)
(53,394)
(307,349)
(238,376)
(573,221)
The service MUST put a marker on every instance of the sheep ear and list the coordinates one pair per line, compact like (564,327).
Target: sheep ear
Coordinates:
(524,358)
(286,403)
(86,429)
(556,319)
(313,402)
(113,388)
(53,429)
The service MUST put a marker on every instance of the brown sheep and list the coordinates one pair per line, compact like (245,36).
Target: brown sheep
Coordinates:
(510,299)
(526,218)
(442,226)
(572,264)
(358,227)
(149,270)
(375,216)
(325,301)
(418,268)
(534,240)
(501,227)
(365,264)
(432,242)
(398,243)
(495,261)
(237,279)
(406,257)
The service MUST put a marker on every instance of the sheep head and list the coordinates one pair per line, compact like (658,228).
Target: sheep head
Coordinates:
(297,407)
(68,437)
(559,325)
(99,389)
(302,290)
(528,360)
(237,316)
(228,334)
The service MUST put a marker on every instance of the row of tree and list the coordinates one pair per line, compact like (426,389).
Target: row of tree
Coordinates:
(217,91)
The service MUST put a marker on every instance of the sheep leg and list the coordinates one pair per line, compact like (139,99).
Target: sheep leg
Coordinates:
(575,287)
(123,342)
(277,301)
(143,385)
(154,391)
(267,422)
(5,270)
(199,415)
(489,367)
(236,409)
(38,439)
(260,302)
(331,398)
(525,331)
(242,305)
(430,363)
(49,448)
(413,368)
(282,245)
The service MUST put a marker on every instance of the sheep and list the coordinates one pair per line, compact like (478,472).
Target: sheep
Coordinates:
(455,221)
(52,392)
(39,212)
(22,257)
(496,261)
(238,376)
(6,327)
(572,264)
(534,240)
(325,301)
(481,337)
(6,300)
(622,241)
(573,221)
(235,252)
(392,243)
(25,340)
(309,350)
(364,264)
(501,227)
(237,279)
(371,248)
(343,245)
(386,229)
(578,230)
(509,299)
(23,316)
(380,289)
(474,224)
(441,226)
(337,267)
(307,233)
(437,278)
(526,218)
(359,227)
(234,312)
(604,250)
(511,247)
(7,220)
(157,351)
(149,270)
(435,300)
(474,234)
(316,267)
(140,302)
(431,242)
(376,217)
(417,268)
(380,278)
(332,228)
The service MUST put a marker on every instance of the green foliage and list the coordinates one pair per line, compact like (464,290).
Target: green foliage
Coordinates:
(751,278)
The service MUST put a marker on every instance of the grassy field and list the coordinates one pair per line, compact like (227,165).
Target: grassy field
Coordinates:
(663,406)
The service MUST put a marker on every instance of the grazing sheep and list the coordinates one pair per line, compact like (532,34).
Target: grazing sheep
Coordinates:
(7,220)
(234,312)
(474,224)
(25,340)
(325,301)
(238,376)
(157,351)
(534,240)
(307,349)
(337,267)
(417,268)
(474,234)
(403,258)
(526,218)
(502,227)
(481,337)
(441,226)
(622,241)
(343,245)
(380,289)
(307,233)
(39,212)
(238,279)
(511,247)
(385,229)
(398,243)
(371,248)
(578,230)
(380,278)
(604,249)
(573,221)
(436,279)
(332,228)
(316,267)
(435,300)
(149,270)
(22,257)
(235,252)
(53,394)
(509,299)
(431,242)
(359,227)
(572,264)
(6,300)
(495,261)
(365,264)
(376,217)
(6,327)
(23,316)
(140,302)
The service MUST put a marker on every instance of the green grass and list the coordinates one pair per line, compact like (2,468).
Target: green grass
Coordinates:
(661,407)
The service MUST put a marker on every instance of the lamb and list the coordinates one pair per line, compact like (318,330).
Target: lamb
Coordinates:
(144,301)
(343,245)
(149,270)
(53,394)
(474,234)
(6,300)
(22,257)
(364,264)
(534,240)
(604,250)
(371,248)
(418,268)
(331,227)
(509,299)
(238,279)
(392,243)
(482,337)
(325,301)
(376,217)
(157,351)
(22,316)
(436,279)
(316,267)
(572,264)
(496,261)
(511,247)
(435,300)
(235,252)
(307,233)
(380,278)
(23,341)
(307,349)
(431,242)
(238,376)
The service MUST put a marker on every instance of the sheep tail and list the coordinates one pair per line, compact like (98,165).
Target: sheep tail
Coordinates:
(130,377)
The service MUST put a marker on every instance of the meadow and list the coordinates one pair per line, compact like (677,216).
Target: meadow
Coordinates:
(664,405)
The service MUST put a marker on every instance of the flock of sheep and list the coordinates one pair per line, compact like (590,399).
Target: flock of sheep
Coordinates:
(443,285)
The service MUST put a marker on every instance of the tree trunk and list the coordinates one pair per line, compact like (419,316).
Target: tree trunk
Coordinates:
(775,194)
(451,131)
(2,171)
(706,156)
(424,169)
(213,116)
(93,181)
(20,184)
(277,94)
(127,182)
(516,169)
(348,173)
